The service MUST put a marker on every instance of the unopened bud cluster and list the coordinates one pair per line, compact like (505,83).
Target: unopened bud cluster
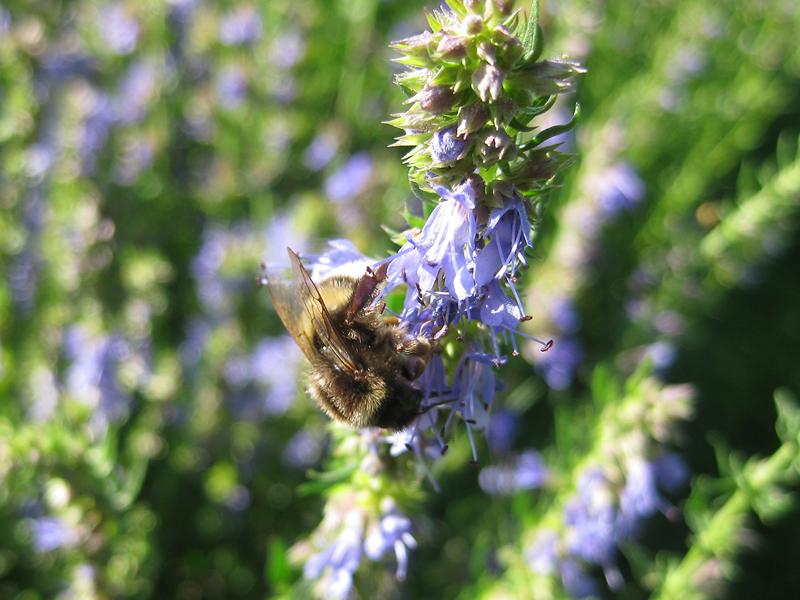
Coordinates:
(474,90)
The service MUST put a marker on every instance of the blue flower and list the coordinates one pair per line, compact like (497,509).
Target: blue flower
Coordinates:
(340,254)
(446,146)
(446,244)
(508,235)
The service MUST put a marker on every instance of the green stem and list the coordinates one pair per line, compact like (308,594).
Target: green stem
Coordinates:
(718,539)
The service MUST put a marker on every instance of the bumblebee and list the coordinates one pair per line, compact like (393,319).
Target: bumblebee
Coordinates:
(362,365)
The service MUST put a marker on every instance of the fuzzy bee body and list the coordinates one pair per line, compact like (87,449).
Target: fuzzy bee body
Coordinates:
(361,365)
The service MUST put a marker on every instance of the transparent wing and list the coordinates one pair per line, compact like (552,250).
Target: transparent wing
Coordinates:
(301,308)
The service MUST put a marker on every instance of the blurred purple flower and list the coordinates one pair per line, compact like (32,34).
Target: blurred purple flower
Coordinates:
(671,472)
(351,179)
(274,364)
(393,532)
(92,375)
(591,519)
(662,354)
(542,556)
(559,364)
(136,157)
(118,28)
(340,559)
(52,533)
(287,49)
(321,150)
(502,431)
(231,86)
(205,269)
(304,449)
(193,347)
(241,26)
(576,581)
(565,316)
(135,93)
(639,498)
(619,189)
(526,472)
(100,117)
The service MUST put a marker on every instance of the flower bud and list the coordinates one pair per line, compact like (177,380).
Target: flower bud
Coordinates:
(416,45)
(504,7)
(497,145)
(486,53)
(471,118)
(451,47)
(487,81)
(447,147)
(435,98)
(473,24)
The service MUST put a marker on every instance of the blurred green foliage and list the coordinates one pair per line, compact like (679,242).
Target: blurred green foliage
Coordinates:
(153,153)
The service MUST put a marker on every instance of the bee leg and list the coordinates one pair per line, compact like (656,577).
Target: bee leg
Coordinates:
(415,347)
(365,290)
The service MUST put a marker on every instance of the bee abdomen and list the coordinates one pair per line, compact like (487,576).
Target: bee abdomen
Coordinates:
(352,398)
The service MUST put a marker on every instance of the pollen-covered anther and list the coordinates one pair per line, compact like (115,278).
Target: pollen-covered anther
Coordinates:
(547,346)
(524,318)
